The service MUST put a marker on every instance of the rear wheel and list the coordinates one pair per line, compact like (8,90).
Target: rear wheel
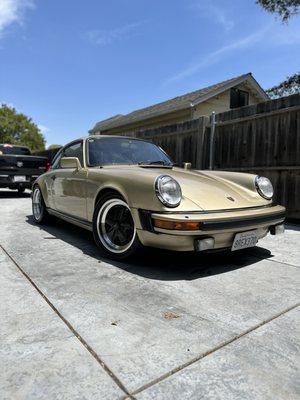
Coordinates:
(39,211)
(114,229)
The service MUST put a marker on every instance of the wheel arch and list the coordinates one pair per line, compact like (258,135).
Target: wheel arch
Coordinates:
(107,190)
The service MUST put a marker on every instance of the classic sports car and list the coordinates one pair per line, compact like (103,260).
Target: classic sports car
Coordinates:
(129,194)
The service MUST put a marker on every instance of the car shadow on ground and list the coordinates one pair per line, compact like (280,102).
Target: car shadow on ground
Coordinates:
(157,264)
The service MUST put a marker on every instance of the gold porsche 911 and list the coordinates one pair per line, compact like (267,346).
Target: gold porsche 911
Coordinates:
(129,194)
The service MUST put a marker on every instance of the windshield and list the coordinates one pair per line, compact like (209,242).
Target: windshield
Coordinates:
(15,150)
(116,150)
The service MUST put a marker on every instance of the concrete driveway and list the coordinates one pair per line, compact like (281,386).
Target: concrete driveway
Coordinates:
(171,326)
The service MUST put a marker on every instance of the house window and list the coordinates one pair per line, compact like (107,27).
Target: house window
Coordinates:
(238,98)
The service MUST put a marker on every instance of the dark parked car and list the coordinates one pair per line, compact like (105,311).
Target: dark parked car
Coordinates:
(18,168)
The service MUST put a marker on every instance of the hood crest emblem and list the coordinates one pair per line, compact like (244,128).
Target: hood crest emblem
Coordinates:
(19,164)
(230,198)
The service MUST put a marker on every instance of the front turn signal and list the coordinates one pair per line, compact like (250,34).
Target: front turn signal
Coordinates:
(176,225)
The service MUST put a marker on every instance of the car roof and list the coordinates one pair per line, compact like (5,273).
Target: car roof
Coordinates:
(104,136)
(114,136)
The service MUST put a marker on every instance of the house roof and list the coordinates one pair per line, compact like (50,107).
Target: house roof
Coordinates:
(187,100)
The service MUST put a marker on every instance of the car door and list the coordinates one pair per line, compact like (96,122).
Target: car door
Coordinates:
(69,184)
(49,179)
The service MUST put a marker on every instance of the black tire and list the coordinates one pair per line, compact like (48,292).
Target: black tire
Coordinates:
(39,210)
(113,228)
(21,190)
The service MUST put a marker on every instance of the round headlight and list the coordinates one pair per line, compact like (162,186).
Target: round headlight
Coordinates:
(264,187)
(168,190)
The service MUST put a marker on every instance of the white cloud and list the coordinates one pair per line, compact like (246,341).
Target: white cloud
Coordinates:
(12,11)
(208,9)
(216,55)
(270,36)
(106,37)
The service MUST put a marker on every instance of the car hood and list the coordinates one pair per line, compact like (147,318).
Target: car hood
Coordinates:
(212,192)
(207,190)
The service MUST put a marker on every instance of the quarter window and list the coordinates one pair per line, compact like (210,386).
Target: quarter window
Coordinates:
(74,150)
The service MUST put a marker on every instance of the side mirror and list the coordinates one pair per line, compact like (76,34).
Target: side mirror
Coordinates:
(70,162)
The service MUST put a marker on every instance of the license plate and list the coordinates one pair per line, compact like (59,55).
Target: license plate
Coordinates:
(244,239)
(19,178)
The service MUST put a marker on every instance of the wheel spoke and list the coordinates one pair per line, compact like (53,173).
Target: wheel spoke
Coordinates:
(110,229)
(126,225)
(114,234)
(120,214)
(122,236)
(109,220)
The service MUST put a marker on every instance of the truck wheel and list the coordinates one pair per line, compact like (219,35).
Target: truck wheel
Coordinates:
(21,190)
(114,229)
(39,211)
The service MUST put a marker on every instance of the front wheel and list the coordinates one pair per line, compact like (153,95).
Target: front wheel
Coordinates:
(114,229)
(39,211)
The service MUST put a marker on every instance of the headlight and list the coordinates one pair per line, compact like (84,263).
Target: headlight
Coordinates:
(168,190)
(264,187)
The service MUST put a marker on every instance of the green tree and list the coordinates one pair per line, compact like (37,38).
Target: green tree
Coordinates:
(17,128)
(290,86)
(284,8)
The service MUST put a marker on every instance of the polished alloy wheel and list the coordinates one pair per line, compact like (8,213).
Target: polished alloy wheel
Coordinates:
(115,226)
(37,205)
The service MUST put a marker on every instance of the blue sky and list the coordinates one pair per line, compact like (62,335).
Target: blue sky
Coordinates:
(69,64)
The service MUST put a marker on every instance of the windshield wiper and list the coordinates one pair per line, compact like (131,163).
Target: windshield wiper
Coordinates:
(158,162)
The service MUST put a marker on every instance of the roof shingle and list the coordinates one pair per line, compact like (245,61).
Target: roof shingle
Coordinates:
(177,103)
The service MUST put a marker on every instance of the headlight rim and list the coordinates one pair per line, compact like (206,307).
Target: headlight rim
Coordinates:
(260,192)
(159,195)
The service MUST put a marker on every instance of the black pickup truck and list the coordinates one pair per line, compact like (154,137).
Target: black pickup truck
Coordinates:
(18,168)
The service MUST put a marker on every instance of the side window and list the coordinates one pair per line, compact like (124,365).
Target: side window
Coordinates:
(74,150)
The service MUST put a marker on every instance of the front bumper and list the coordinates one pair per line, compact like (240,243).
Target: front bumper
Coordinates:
(221,225)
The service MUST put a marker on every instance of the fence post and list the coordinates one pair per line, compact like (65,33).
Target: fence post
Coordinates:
(212,140)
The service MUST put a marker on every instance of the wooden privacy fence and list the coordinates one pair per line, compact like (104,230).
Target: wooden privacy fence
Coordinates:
(262,139)
(185,141)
